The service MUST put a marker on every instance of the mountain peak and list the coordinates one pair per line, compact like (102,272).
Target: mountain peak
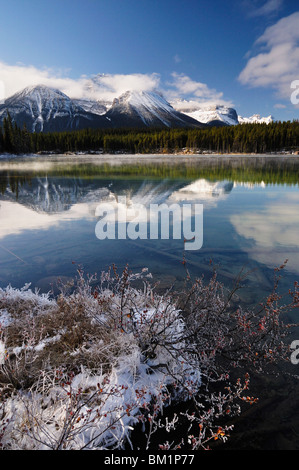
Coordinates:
(142,98)
(40,90)
(147,108)
(215,114)
(45,109)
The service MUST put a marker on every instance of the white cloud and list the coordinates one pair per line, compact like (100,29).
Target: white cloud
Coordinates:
(284,31)
(16,218)
(195,93)
(14,78)
(109,86)
(272,227)
(268,8)
(277,63)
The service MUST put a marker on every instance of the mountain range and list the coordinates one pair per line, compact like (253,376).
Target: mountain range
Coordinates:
(44,109)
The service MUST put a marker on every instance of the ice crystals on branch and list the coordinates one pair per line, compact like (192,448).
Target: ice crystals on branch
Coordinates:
(82,370)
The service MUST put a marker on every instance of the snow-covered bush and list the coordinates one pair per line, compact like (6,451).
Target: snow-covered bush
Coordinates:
(82,370)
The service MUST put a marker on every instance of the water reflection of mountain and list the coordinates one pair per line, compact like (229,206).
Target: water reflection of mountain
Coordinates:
(55,195)
(55,186)
(52,195)
(202,191)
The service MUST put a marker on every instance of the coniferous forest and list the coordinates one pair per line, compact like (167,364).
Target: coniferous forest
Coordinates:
(243,138)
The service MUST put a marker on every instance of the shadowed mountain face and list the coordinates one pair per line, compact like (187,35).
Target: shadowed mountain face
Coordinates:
(144,109)
(211,115)
(44,109)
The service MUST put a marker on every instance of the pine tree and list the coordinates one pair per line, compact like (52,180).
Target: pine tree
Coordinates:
(8,136)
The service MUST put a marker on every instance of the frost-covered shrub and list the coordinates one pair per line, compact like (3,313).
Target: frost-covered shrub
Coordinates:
(84,369)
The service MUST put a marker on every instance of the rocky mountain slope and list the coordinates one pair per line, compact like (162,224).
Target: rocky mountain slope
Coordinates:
(214,115)
(139,109)
(44,109)
(217,115)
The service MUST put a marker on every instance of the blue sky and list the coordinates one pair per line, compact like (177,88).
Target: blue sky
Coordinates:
(243,53)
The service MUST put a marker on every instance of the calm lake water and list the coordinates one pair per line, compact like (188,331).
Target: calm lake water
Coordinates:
(250,222)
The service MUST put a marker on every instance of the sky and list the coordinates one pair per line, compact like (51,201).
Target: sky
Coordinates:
(238,53)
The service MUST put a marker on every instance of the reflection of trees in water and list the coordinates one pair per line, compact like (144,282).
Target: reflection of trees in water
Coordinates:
(64,184)
(51,194)
(251,169)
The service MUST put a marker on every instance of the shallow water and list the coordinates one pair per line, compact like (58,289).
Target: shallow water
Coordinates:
(250,204)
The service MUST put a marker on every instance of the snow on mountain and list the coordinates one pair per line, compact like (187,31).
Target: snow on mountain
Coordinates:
(91,106)
(40,103)
(140,108)
(45,109)
(255,119)
(227,116)
(212,115)
(217,114)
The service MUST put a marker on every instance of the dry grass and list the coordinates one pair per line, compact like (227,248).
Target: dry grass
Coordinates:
(70,331)
(114,332)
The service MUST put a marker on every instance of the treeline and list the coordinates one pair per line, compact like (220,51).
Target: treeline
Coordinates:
(243,138)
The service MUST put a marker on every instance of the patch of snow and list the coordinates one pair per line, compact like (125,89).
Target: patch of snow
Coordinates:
(133,382)
(41,104)
(149,106)
(206,114)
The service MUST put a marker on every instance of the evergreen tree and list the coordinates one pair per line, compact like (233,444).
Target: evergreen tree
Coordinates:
(8,132)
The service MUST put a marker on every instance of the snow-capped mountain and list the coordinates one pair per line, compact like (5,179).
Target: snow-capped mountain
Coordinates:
(139,109)
(45,109)
(255,119)
(215,115)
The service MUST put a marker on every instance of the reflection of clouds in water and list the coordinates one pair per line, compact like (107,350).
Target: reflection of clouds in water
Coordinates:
(274,227)
(49,202)
(15,218)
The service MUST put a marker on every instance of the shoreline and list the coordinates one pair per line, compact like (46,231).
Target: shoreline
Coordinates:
(144,156)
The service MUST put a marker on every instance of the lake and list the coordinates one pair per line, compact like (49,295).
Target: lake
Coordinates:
(48,213)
